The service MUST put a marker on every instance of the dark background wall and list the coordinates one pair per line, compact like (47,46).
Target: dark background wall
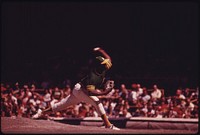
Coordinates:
(149,42)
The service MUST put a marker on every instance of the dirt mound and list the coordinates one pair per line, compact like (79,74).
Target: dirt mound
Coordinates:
(29,126)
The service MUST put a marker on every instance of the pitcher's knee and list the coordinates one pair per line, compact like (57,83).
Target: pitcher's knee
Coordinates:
(97,102)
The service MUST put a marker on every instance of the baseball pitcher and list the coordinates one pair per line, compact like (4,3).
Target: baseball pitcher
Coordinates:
(87,89)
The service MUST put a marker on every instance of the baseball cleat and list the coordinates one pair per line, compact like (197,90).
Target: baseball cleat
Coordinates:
(38,114)
(113,127)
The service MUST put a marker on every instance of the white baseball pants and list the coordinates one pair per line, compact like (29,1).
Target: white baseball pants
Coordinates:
(79,96)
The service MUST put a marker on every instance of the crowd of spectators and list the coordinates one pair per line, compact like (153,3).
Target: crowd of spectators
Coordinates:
(136,101)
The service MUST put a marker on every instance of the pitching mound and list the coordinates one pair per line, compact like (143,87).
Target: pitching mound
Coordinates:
(29,126)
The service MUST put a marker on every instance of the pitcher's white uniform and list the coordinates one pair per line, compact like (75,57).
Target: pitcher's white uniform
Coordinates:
(79,96)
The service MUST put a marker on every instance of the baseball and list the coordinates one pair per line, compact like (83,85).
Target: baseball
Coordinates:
(96,48)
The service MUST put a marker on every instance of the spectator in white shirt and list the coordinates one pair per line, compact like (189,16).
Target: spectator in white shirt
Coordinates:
(179,94)
(139,90)
(156,92)
(145,97)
